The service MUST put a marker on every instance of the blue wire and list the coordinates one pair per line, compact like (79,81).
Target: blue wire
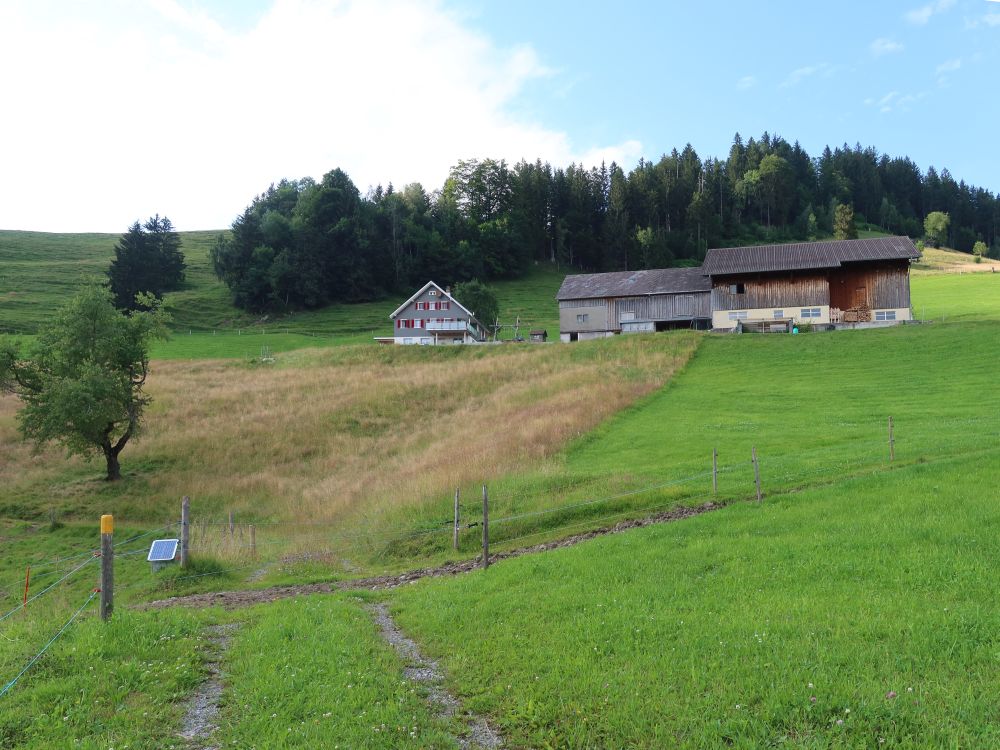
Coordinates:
(9,685)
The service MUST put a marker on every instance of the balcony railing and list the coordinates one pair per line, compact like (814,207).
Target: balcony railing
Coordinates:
(450,325)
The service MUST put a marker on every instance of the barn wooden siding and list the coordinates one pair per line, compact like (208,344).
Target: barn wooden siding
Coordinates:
(664,307)
(877,287)
(771,290)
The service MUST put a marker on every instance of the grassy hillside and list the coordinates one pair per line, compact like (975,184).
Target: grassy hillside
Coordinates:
(866,586)
(857,615)
(38,270)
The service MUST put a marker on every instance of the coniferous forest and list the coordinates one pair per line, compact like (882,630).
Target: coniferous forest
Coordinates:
(305,244)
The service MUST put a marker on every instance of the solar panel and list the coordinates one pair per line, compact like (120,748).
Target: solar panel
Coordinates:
(162,550)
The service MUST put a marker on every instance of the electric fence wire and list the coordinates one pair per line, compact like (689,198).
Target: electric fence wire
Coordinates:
(47,588)
(6,688)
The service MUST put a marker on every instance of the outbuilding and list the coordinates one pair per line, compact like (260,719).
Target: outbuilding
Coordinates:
(596,305)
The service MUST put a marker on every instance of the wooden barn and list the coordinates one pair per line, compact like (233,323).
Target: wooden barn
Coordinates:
(595,305)
(825,283)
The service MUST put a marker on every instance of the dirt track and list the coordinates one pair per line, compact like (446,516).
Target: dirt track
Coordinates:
(248,597)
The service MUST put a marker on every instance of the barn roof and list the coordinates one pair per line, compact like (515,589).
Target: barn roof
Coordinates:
(806,255)
(634,283)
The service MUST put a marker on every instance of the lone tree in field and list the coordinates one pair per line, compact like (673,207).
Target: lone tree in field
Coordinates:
(844,227)
(979,250)
(81,382)
(936,227)
(148,258)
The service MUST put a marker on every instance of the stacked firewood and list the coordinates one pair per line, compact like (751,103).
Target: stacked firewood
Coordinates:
(859,314)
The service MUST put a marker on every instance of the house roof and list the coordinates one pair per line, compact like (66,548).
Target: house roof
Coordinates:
(725,261)
(444,293)
(634,283)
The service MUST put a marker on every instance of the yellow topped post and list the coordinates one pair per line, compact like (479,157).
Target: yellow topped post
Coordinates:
(107,565)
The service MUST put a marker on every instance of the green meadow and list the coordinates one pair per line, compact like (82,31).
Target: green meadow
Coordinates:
(38,270)
(856,606)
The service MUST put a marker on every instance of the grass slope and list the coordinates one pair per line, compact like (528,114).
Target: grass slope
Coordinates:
(860,616)
(41,269)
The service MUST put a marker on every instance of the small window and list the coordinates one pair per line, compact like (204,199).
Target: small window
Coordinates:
(885,315)
(407,341)
(779,314)
(738,315)
(810,312)
(737,289)
(582,318)
(432,293)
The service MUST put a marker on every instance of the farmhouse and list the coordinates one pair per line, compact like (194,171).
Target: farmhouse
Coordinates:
(823,283)
(595,305)
(432,316)
(767,287)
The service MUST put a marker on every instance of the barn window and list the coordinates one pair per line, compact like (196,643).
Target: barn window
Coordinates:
(885,315)
(582,317)
(779,314)
(810,312)
(738,315)
(737,289)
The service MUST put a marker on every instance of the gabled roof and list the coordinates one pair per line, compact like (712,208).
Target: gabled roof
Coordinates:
(634,283)
(726,261)
(444,294)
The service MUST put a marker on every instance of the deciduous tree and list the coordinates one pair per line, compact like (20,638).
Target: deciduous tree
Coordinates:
(936,227)
(844,227)
(82,380)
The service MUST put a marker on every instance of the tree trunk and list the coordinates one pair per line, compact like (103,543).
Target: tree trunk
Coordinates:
(114,468)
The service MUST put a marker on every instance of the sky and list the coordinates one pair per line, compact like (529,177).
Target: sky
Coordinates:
(115,110)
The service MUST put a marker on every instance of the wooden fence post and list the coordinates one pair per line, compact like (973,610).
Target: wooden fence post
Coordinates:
(107,566)
(185,529)
(486,529)
(756,472)
(253,541)
(892,443)
(715,470)
(454,539)
(230,523)
(27,580)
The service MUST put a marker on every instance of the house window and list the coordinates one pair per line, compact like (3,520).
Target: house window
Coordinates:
(885,315)
(425,342)
(407,341)
(432,293)
(738,315)
(582,317)
(810,312)
(444,305)
(737,289)
(779,314)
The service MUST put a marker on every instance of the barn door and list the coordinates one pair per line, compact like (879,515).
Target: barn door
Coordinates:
(860,297)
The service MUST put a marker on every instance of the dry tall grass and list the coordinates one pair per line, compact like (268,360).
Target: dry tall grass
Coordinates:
(360,432)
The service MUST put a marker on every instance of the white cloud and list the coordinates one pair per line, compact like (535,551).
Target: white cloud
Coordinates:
(800,74)
(895,101)
(883,46)
(746,82)
(923,14)
(128,109)
(992,19)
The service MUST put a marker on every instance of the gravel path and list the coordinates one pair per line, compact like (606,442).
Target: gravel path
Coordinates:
(425,672)
(244,598)
(201,714)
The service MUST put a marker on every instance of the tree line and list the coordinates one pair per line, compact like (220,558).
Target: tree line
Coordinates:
(305,244)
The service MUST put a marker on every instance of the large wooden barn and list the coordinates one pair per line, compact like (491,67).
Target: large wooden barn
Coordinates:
(764,287)
(595,305)
(823,283)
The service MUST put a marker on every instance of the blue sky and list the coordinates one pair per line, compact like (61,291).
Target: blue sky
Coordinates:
(122,108)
